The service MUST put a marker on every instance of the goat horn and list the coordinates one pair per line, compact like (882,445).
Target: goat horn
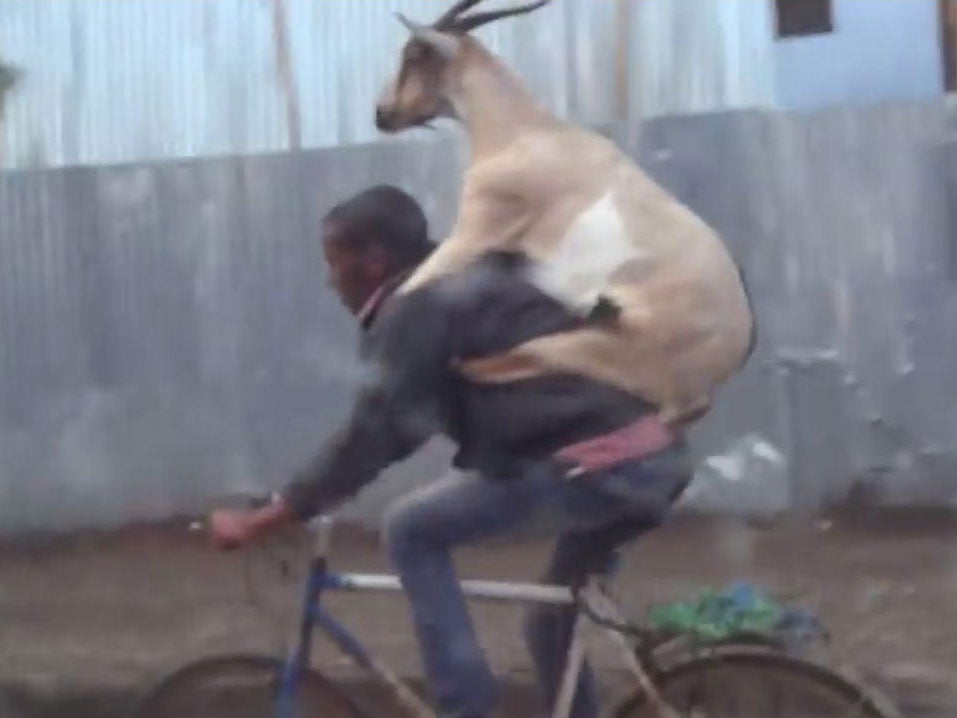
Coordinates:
(448,18)
(467,24)
(447,45)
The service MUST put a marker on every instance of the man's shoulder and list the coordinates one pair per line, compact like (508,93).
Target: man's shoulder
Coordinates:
(496,282)
(489,274)
(406,317)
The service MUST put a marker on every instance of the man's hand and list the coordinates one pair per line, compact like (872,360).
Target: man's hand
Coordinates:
(235,529)
(231,529)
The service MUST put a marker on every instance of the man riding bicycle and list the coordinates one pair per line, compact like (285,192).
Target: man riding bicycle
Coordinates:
(585,461)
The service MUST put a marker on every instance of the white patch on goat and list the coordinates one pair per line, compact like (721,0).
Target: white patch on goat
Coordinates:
(580,268)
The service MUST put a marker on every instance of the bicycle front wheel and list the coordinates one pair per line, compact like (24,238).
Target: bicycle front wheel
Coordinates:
(741,682)
(239,687)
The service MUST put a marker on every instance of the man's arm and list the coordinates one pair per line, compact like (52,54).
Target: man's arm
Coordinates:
(394,414)
(375,437)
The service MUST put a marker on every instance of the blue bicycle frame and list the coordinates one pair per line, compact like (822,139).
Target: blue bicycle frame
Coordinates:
(315,615)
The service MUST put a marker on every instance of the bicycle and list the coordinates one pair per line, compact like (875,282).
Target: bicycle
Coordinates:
(694,682)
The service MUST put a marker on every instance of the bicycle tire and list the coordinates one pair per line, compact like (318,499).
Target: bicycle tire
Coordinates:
(858,701)
(185,693)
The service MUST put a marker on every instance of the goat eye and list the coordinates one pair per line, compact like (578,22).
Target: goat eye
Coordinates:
(418,52)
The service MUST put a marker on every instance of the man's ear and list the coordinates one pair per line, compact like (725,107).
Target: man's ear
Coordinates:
(377,261)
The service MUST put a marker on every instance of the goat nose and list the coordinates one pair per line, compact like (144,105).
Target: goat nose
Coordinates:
(383,118)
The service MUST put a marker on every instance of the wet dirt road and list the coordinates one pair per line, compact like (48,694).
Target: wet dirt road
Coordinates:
(87,619)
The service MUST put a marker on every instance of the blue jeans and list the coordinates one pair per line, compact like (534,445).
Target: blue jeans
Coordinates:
(593,515)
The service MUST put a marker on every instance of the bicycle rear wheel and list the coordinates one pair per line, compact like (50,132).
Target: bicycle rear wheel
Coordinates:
(239,686)
(747,682)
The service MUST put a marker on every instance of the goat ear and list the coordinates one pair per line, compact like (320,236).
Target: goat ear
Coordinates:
(446,45)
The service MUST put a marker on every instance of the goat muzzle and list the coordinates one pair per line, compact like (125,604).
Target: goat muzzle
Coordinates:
(385,119)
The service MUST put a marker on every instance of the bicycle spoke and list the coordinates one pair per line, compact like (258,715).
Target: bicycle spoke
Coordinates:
(757,685)
(238,687)
(777,702)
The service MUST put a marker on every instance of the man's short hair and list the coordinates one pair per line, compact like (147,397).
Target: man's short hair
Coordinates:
(387,215)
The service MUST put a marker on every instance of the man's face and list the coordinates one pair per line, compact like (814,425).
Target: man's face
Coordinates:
(354,273)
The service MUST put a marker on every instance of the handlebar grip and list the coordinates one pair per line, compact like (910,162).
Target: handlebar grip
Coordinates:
(251,502)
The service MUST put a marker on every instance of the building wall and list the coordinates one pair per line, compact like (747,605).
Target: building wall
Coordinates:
(884,50)
(122,81)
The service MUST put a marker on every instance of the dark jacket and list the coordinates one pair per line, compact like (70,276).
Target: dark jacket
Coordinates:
(411,343)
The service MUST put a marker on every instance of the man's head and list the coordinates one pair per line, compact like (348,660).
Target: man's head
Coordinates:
(371,238)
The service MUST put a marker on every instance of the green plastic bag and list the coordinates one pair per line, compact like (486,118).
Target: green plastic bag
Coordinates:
(718,615)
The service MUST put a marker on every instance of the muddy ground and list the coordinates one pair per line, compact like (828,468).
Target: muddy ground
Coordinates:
(86,620)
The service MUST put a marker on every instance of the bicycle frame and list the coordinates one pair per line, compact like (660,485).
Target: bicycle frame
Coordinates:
(315,615)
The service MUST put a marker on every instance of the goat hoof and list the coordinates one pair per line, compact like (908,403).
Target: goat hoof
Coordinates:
(605,312)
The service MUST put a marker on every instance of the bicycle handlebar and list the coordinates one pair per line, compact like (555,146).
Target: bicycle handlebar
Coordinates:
(247,501)
(322,525)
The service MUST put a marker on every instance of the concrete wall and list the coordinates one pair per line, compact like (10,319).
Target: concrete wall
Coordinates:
(879,51)
(167,335)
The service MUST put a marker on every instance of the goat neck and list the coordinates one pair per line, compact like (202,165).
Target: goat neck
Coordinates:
(492,103)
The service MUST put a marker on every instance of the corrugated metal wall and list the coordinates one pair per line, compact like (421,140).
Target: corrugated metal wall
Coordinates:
(111,81)
(167,334)
(701,56)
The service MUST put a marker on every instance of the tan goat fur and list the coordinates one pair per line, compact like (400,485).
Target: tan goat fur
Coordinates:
(596,227)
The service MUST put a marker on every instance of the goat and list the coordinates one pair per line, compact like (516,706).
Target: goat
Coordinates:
(666,314)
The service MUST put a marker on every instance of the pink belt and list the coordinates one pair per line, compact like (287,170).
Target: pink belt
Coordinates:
(637,440)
